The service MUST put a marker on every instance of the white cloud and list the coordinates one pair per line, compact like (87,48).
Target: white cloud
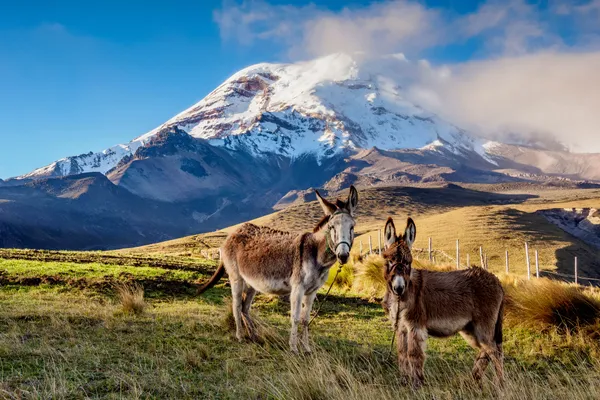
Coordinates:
(527,78)
(551,93)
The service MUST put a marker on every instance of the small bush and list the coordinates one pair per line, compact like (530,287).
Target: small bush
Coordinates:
(131,297)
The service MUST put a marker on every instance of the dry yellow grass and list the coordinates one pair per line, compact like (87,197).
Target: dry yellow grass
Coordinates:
(131,298)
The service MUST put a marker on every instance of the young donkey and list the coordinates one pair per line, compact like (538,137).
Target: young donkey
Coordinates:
(440,304)
(270,261)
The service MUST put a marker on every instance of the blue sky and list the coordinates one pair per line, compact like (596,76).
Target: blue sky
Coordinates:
(78,76)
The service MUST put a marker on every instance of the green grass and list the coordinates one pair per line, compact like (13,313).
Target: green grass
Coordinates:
(67,341)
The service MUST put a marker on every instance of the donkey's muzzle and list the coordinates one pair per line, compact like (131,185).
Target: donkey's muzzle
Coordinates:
(342,252)
(398,285)
(343,258)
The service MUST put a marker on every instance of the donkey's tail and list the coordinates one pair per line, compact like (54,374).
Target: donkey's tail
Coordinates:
(213,279)
(498,328)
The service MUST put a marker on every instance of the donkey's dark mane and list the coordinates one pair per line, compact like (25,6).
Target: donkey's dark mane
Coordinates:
(322,223)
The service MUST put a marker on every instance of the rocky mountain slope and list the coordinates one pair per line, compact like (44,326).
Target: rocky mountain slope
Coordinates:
(267,135)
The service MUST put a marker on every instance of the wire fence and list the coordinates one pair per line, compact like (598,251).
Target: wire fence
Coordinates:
(438,256)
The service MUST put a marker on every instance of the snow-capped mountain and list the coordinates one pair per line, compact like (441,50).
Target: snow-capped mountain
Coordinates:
(321,107)
(260,141)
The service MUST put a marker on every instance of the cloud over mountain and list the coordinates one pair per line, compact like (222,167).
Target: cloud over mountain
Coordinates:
(532,70)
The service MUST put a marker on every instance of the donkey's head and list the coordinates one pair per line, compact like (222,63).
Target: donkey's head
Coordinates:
(339,218)
(397,256)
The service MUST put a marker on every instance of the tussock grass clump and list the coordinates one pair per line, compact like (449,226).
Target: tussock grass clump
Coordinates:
(369,276)
(131,297)
(545,304)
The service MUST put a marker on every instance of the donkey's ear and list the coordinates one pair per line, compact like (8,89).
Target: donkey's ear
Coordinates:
(327,207)
(389,233)
(410,233)
(352,200)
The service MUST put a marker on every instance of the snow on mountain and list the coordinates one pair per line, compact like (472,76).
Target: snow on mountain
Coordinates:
(324,107)
(91,162)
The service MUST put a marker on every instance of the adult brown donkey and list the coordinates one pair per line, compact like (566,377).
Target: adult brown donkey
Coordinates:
(440,304)
(270,261)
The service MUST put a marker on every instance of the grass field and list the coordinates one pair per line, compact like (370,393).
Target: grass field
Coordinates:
(64,340)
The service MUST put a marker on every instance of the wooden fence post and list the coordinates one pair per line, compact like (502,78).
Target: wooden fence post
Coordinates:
(468,260)
(576,280)
(457,254)
(481,256)
(360,248)
(219,254)
(486,263)
(537,265)
(527,258)
(430,255)
(506,254)
(379,240)
(370,245)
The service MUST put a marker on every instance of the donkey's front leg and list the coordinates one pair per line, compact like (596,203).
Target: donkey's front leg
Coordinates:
(417,337)
(307,304)
(296,303)
(403,363)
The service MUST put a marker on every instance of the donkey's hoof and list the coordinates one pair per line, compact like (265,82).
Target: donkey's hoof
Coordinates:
(417,384)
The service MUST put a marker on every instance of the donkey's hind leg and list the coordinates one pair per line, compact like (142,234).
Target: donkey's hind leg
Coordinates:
(237,288)
(495,354)
(482,359)
(307,303)
(248,297)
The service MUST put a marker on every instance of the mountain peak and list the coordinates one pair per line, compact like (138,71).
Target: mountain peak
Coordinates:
(322,107)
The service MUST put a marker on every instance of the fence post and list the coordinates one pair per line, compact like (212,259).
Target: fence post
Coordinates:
(527,258)
(219,254)
(486,264)
(360,248)
(430,255)
(468,260)
(537,265)
(506,254)
(370,245)
(576,281)
(481,256)
(379,240)
(457,254)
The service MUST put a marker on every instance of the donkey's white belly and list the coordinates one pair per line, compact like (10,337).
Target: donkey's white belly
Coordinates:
(269,286)
(446,326)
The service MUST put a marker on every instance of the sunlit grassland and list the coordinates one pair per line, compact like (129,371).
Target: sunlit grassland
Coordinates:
(59,340)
